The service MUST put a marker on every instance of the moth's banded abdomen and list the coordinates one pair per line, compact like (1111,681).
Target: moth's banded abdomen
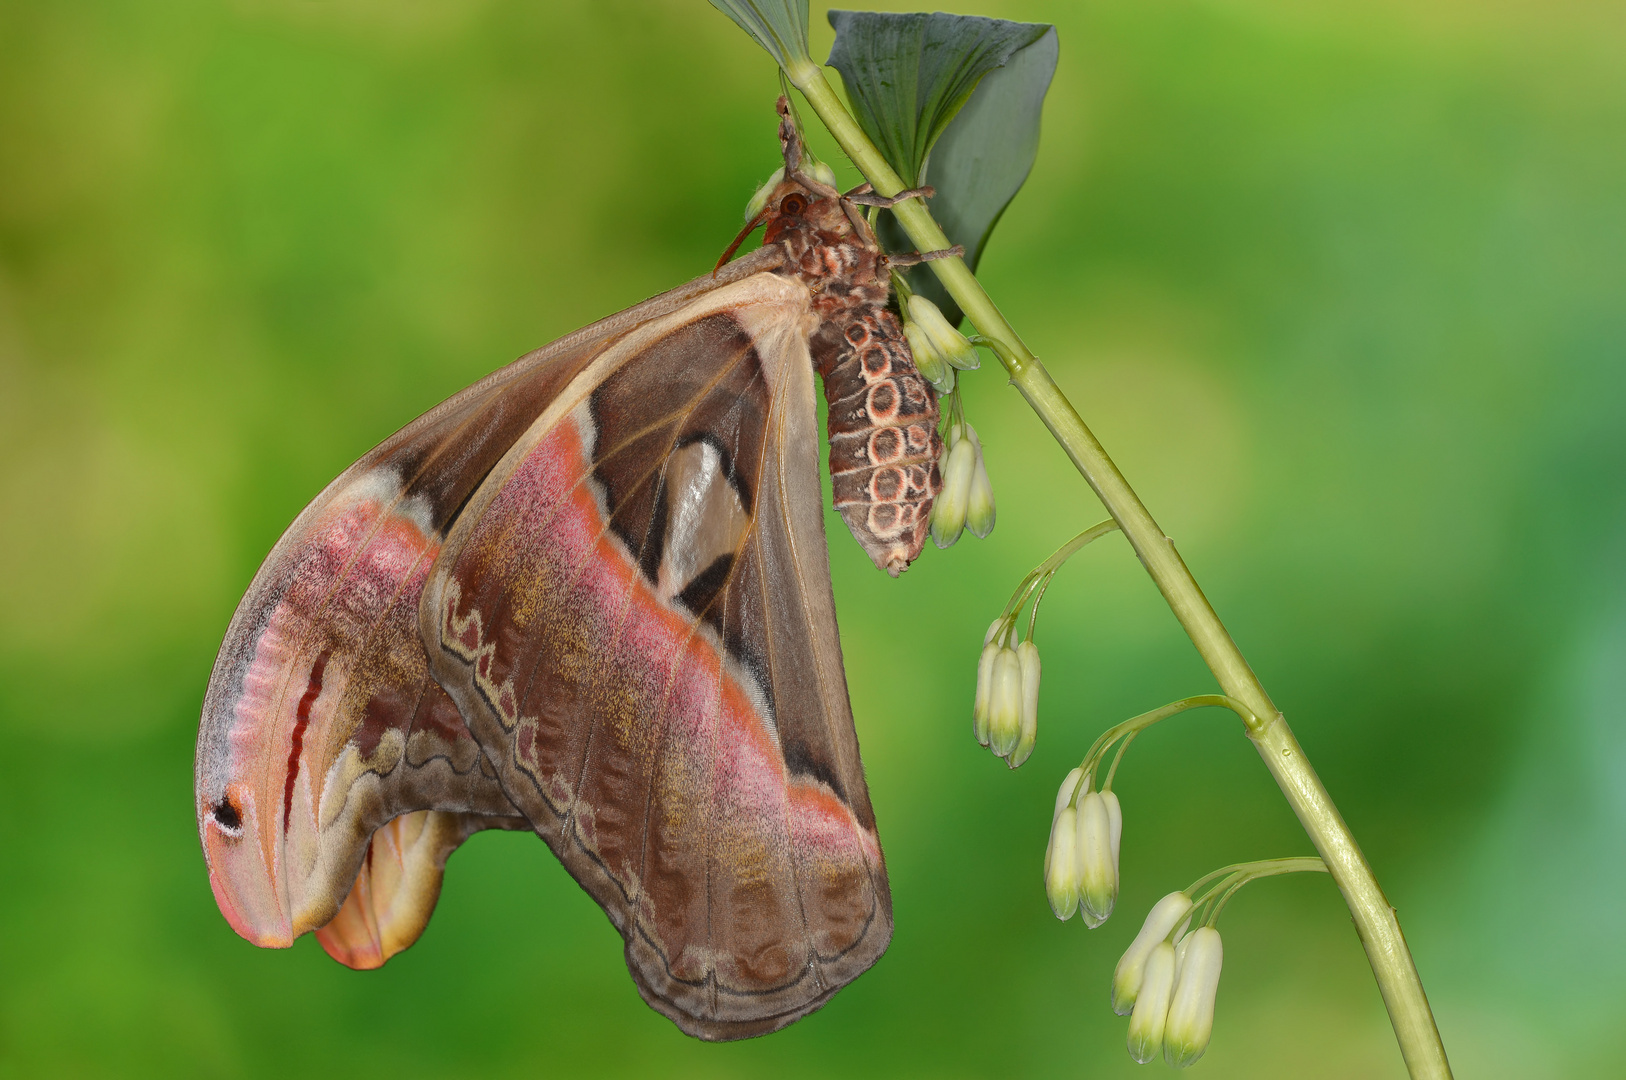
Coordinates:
(884,444)
(883,417)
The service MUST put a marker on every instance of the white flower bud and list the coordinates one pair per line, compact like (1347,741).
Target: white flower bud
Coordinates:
(948,512)
(1160,921)
(1061,863)
(985,686)
(1191,1009)
(979,510)
(1064,794)
(760,199)
(1097,869)
(1182,942)
(1027,654)
(1147,1022)
(817,170)
(928,361)
(950,343)
(1061,855)
(1115,819)
(1005,703)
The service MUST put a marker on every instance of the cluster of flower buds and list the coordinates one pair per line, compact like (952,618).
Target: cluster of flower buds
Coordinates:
(967,498)
(1005,717)
(939,349)
(1166,984)
(1081,860)
(810,167)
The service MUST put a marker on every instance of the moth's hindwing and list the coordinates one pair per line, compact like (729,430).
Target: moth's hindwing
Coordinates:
(634,615)
(395,892)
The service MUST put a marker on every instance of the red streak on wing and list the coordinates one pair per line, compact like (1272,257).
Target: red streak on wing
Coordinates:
(302,719)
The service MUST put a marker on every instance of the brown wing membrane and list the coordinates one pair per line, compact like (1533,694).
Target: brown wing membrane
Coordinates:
(321,722)
(634,615)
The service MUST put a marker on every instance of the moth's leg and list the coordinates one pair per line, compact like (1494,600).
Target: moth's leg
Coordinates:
(915,258)
(865,195)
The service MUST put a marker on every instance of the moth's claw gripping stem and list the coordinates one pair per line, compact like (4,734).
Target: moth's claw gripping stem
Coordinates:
(864,195)
(914,258)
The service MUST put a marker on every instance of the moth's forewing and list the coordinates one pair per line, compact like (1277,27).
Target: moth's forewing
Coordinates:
(631,607)
(321,722)
(634,615)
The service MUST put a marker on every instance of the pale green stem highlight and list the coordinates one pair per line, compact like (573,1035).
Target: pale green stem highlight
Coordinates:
(1375,920)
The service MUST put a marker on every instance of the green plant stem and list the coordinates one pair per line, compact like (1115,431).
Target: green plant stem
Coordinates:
(1375,920)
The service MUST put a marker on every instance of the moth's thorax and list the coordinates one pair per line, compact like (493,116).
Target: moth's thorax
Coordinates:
(884,445)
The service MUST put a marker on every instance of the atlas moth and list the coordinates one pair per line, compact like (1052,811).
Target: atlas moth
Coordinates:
(589,596)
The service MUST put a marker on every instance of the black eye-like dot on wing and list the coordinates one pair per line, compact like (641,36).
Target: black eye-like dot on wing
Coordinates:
(227,816)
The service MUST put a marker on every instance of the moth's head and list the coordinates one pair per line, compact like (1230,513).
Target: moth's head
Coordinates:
(806,197)
(801,203)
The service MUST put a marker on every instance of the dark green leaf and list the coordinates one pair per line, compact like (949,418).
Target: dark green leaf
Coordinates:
(907,75)
(982,160)
(780,26)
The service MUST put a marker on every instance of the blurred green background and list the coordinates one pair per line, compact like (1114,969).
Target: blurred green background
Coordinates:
(1342,287)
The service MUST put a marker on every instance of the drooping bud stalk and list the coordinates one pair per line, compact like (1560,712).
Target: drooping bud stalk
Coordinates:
(1191,1009)
(1097,862)
(950,344)
(1131,971)
(760,199)
(1147,1022)
(1027,655)
(959,463)
(1005,703)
